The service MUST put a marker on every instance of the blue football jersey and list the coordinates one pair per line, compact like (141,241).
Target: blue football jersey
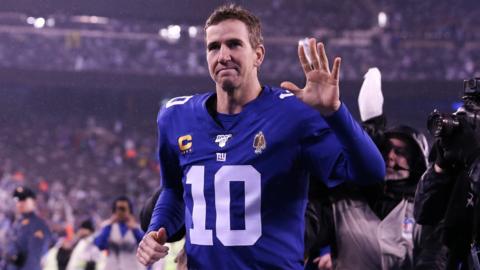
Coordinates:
(241,190)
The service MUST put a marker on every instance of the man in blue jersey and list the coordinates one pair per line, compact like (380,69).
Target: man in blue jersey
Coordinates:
(235,162)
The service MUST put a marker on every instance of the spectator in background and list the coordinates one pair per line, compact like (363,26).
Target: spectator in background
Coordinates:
(85,255)
(120,235)
(30,237)
(58,256)
(75,252)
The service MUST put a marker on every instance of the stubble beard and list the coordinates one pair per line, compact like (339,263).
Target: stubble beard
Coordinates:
(228,87)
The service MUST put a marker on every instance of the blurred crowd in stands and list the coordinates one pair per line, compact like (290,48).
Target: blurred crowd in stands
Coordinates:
(440,44)
(77,165)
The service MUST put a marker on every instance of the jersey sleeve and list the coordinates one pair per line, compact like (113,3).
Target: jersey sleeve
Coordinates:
(169,208)
(340,150)
(101,240)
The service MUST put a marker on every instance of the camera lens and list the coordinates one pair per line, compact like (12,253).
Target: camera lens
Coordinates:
(472,83)
(442,125)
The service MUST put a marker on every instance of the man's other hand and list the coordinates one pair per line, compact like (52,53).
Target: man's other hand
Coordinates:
(151,248)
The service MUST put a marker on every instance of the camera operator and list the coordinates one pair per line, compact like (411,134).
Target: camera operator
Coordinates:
(447,196)
(120,236)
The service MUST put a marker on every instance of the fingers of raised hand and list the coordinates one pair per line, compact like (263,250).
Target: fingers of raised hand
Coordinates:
(323,57)
(316,58)
(336,68)
(306,66)
(291,87)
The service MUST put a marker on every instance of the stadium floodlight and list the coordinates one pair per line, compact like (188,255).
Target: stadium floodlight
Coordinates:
(89,19)
(382,19)
(30,20)
(39,23)
(192,31)
(174,32)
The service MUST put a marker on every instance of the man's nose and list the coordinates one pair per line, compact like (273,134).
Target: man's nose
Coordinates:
(392,155)
(224,54)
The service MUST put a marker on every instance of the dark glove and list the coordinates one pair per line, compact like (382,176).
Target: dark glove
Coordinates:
(458,149)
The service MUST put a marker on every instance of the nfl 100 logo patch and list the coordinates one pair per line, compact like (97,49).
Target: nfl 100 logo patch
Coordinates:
(222,139)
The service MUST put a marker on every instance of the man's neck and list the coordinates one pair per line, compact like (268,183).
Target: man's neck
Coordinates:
(234,101)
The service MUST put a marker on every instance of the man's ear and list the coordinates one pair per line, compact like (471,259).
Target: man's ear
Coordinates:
(260,53)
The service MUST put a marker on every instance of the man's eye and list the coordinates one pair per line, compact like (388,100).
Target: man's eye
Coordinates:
(213,47)
(234,44)
(400,151)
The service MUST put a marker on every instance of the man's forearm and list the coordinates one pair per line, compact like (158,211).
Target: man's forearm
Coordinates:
(365,161)
(168,212)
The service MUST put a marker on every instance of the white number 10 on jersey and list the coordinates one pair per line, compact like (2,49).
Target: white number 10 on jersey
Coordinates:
(251,178)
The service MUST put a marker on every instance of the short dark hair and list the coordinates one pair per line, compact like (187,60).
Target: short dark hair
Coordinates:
(122,198)
(236,12)
(87,224)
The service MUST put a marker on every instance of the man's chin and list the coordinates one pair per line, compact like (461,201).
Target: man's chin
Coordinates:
(228,86)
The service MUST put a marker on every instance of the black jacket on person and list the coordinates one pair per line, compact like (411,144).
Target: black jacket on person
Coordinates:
(446,203)
(430,204)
